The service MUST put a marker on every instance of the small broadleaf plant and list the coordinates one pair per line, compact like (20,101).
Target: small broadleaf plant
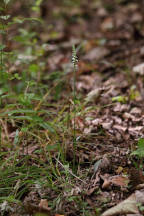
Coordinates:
(140,150)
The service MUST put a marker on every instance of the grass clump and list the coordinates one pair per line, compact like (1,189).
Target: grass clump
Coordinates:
(34,126)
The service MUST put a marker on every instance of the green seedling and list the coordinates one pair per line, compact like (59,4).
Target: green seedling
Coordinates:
(121,99)
(139,153)
(140,150)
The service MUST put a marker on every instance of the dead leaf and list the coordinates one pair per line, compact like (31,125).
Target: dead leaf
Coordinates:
(106,184)
(91,190)
(106,180)
(136,177)
(96,122)
(44,204)
(119,127)
(139,69)
(135,130)
(107,125)
(85,82)
(121,107)
(79,123)
(34,209)
(119,181)
(83,67)
(96,54)
(58,215)
(105,164)
(102,12)
(142,51)
(93,95)
(135,110)
(134,215)
(127,206)
(136,17)
(107,24)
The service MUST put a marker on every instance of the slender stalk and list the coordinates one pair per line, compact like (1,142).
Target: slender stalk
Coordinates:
(74,61)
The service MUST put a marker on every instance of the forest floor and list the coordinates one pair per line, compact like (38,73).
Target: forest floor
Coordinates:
(69,134)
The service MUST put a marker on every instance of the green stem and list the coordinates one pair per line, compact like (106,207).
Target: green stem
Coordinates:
(74,60)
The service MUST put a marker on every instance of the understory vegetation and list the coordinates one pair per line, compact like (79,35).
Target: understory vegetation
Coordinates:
(71,106)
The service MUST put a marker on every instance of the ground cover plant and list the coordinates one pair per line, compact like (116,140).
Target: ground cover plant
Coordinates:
(71,107)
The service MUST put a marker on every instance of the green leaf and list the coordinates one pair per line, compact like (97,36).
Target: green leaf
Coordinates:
(16,138)
(97,165)
(140,150)
(2,47)
(33,68)
(47,127)
(141,143)
(38,2)
(22,118)
(120,98)
(17,111)
(1,9)
(2,32)
(17,20)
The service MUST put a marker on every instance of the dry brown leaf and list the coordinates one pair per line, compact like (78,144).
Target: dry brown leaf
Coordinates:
(93,95)
(58,215)
(91,190)
(139,69)
(119,127)
(32,208)
(106,180)
(79,123)
(107,24)
(117,180)
(135,110)
(44,204)
(120,181)
(121,107)
(127,206)
(96,54)
(85,82)
(107,125)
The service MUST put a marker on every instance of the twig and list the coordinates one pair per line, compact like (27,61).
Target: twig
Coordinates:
(70,171)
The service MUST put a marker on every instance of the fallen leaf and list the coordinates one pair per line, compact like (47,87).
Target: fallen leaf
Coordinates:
(91,190)
(58,215)
(107,24)
(135,110)
(96,54)
(44,204)
(119,127)
(78,122)
(37,210)
(139,69)
(119,181)
(107,125)
(106,180)
(93,95)
(127,206)
(136,17)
